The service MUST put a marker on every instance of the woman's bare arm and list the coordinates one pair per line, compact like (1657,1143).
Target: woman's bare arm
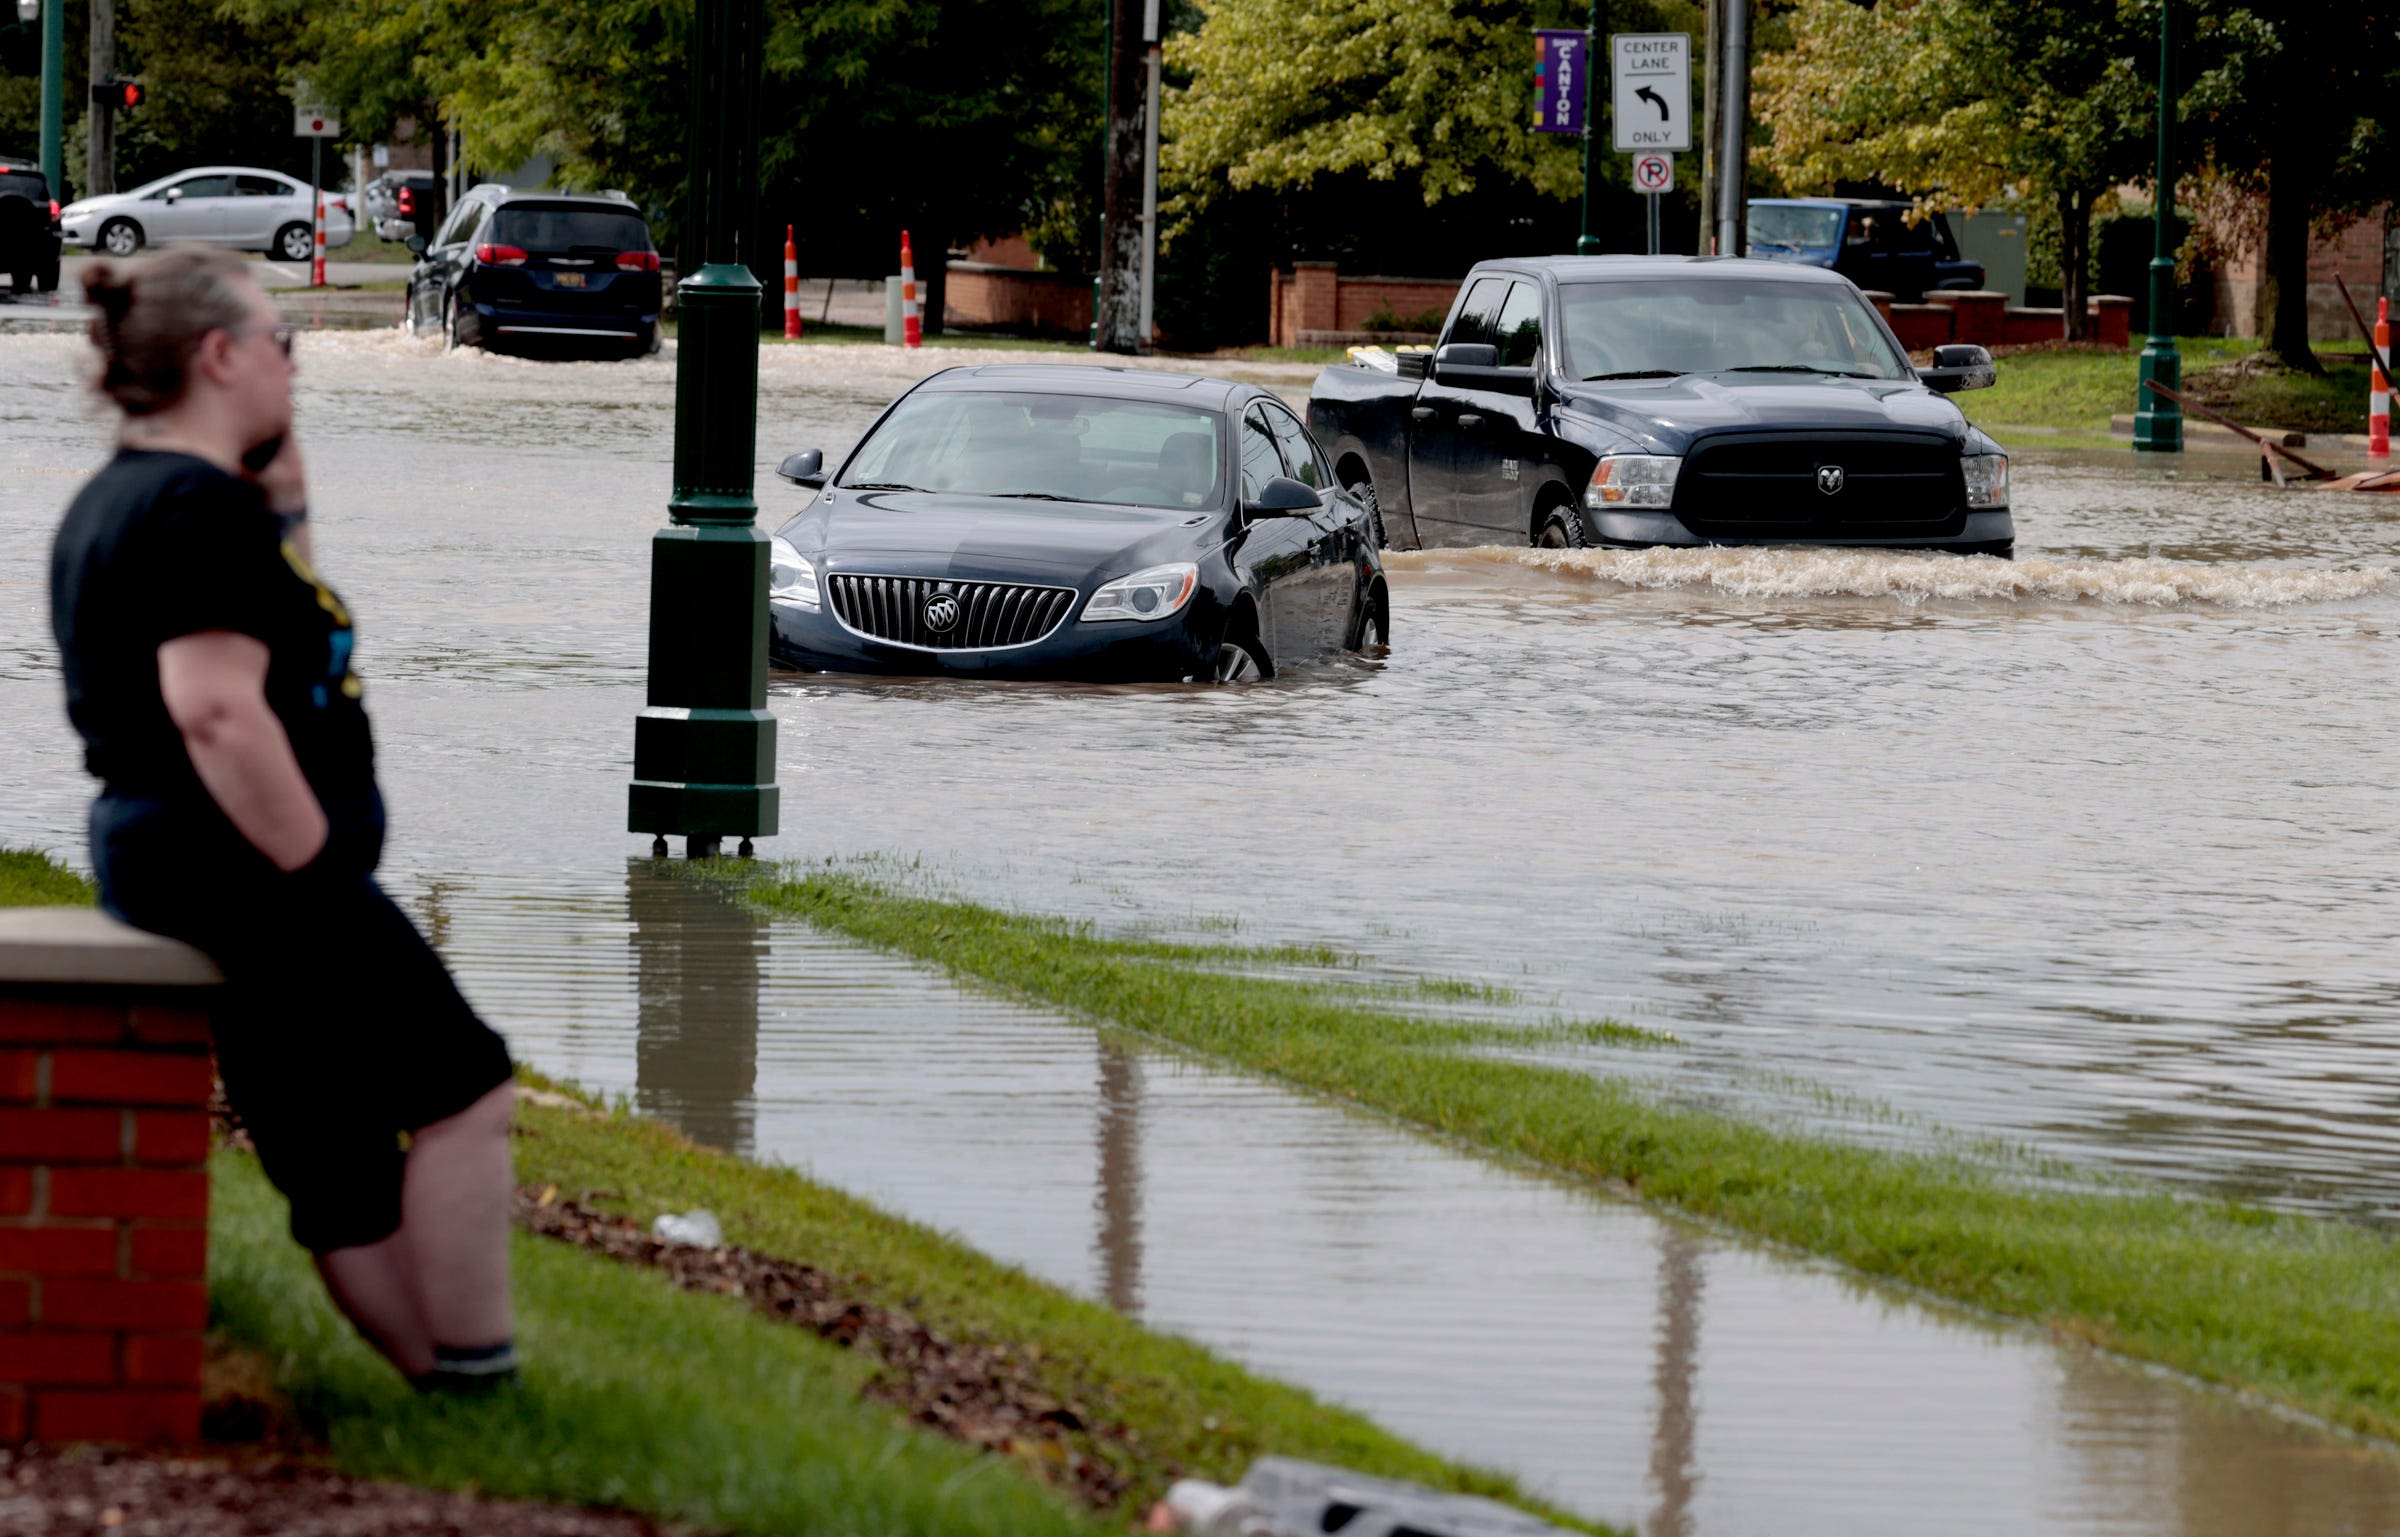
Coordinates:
(215,686)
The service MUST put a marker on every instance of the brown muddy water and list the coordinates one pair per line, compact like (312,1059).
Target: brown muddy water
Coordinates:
(2091,852)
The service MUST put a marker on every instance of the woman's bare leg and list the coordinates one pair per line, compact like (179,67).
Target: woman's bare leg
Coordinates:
(375,1286)
(454,1219)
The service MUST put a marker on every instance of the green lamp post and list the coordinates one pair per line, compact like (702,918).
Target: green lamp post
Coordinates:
(2158,421)
(54,99)
(1588,244)
(704,747)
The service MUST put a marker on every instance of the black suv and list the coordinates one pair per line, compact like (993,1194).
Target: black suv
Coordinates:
(30,236)
(509,268)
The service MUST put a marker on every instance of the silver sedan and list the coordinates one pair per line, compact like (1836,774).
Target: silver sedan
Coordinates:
(229,205)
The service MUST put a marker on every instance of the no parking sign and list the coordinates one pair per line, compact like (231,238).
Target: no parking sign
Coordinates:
(1654,173)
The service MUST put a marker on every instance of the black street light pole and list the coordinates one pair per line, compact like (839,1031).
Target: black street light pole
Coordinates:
(704,749)
(2158,421)
(1588,244)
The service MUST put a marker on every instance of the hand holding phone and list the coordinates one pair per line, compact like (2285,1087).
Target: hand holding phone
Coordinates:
(276,468)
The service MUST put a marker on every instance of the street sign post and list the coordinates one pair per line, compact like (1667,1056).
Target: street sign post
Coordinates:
(316,125)
(1653,173)
(1651,74)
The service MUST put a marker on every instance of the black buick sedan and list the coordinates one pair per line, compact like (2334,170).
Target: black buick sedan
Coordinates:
(1076,522)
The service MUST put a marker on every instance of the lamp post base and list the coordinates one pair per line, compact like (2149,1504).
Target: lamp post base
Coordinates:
(2158,421)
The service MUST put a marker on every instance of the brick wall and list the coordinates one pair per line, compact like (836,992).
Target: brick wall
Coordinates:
(2360,253)
(104,1086)
(1987,319)
(992,296)
(1314,305)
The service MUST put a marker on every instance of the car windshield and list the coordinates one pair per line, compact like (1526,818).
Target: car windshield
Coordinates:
(1043,447)
(556,228)
(1791,227)
(1673,326)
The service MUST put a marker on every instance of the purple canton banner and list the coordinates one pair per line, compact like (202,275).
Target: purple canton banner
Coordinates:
(1561,60)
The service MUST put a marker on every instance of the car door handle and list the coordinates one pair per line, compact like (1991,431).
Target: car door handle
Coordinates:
(1420,413)
(1470,420)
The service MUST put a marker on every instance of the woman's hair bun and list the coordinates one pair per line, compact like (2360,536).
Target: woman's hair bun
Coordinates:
(152,312)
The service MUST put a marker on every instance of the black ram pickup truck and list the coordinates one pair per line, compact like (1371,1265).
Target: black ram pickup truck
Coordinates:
(1628,400)
(30,237)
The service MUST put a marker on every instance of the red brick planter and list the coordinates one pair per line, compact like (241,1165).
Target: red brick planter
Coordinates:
(104,1088)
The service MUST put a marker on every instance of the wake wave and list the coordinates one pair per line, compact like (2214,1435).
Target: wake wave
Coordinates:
(1789,572)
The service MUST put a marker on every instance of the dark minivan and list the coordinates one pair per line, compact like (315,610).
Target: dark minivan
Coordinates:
(509,269)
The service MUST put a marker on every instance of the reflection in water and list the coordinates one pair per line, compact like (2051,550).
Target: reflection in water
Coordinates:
(697,969)
(1117,1194)
(1674,1383)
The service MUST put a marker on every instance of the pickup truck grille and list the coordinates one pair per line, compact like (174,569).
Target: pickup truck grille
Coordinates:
(1765,486)
(989,615)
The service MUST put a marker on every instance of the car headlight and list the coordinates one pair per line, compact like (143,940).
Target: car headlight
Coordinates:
(790,577)
(1151,594)
(1987,480)
(1633,480)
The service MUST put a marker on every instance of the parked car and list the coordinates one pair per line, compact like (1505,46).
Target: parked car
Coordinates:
(1075,522)
(1883,247)
(399,204)
(1630,400)
(229,205)
(511,267)
(29,230)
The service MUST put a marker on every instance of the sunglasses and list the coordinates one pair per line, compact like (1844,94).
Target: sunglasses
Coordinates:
(282,334)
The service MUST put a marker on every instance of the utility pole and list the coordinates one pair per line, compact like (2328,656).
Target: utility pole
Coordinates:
(1120,314)
(100,135)
(1587,243)
(1733,113)
(1151,62)
(2158,421)
(1712,128)
(704,747)
(54,96)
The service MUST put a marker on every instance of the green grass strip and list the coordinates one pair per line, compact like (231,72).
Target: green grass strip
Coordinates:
(682,1406)
(1187,1409)
(2303,1311)
(29,878)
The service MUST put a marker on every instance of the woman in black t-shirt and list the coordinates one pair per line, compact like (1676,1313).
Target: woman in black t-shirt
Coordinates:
(208,669)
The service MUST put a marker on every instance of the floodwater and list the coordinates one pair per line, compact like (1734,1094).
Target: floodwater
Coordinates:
(2091,853)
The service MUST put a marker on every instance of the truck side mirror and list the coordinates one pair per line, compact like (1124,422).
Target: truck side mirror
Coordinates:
(1476,366)
(805,468)
(1959,366)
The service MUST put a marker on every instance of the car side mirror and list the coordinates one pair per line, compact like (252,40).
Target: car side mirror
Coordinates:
(1283,497)
(1960,366)
(415,244)
(1476,366)
(805,468)
(174,194)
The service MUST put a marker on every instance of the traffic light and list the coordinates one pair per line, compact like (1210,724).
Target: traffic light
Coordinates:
(117,92)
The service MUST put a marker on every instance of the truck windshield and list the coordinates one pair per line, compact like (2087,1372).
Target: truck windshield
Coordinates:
(1793,227)
(1043,447)
(1674,326)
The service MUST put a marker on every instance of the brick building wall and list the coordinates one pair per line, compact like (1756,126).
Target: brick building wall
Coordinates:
(1315,305)
(2365,254)
(989,296)
(105,1079)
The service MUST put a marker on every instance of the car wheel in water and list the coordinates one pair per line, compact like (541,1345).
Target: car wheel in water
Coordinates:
(1240,659)
(294,243)
(46,280)
(1364,490)
(20,283)
(1374,627)
(451,341)
(120,237)
(1564,531)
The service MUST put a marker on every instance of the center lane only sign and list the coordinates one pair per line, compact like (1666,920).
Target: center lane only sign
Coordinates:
(1652,77)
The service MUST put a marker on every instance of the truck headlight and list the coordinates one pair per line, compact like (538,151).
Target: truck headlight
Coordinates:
(1987,481)
(1151,594)
(790,577)
(1633,480)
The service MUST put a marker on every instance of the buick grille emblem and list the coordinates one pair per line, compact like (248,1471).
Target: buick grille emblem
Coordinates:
(1829,478)
(941,613)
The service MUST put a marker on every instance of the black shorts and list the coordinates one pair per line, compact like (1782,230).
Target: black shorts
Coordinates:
(339,1031)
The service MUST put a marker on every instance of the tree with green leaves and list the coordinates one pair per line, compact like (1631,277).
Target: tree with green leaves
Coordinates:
(1960,103)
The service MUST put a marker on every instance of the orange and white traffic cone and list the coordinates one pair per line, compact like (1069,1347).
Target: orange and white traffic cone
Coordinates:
(791,287)
(316,265)
(2379,397)
(912,314)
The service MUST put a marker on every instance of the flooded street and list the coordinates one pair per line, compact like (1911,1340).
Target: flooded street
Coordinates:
(2092,852)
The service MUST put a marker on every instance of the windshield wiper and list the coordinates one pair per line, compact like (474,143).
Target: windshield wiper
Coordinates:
(1036,496)
(880,485)
(1635,373)
(1795,368)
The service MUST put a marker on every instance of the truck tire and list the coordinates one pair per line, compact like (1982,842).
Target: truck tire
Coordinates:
(1562,529)
(1364,490)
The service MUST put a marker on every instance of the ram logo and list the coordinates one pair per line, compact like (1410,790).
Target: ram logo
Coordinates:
(1830,478)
